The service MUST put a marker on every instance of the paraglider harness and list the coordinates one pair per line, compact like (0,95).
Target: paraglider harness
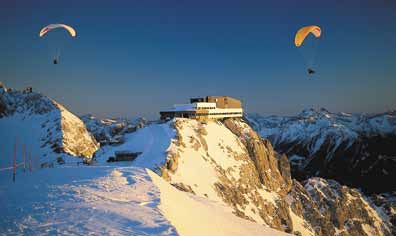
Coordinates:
(310,71)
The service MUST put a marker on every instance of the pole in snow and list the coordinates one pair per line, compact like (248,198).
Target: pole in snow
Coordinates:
(24,157)
(14,172)
(30,160)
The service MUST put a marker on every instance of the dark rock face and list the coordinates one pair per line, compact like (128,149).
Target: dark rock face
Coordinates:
(368,163)
(2,107)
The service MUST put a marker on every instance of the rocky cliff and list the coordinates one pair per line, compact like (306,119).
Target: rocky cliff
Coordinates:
(230,163)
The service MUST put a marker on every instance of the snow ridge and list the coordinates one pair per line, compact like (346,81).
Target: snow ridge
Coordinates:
(44,126)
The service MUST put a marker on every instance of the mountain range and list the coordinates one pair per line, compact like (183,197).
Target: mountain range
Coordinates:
(217,177)
(355,149)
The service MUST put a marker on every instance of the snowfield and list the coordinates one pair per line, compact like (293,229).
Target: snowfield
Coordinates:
(121,198)
(82,201)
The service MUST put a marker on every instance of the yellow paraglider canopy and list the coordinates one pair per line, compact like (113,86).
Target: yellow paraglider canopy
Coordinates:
(304,32)
(50,27)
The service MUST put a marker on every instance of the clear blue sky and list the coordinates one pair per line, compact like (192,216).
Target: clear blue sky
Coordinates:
(132,58)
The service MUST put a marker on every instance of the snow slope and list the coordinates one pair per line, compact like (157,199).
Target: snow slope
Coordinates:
(110,200)
(27,131)
(79,200)
(193,215)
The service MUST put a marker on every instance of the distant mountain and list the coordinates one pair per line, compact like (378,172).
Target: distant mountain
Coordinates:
(356,149)
(44,127)
(112,131)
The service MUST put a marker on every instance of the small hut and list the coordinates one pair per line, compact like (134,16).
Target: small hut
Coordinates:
(126,155)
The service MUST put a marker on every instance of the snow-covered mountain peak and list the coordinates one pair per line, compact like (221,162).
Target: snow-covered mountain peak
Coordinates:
(312,112)
(228,162)
(42,124)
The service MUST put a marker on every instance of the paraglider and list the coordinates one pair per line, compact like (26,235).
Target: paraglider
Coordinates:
(51,27)
(300,41)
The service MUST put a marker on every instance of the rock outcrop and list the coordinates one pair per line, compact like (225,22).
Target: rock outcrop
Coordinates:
(387,202)
(333,209)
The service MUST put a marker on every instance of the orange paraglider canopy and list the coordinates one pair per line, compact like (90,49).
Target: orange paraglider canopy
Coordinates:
(303,32)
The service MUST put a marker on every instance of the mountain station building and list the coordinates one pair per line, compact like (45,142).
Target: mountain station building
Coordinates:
(210,107)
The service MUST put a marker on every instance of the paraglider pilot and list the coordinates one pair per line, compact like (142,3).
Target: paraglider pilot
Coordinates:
(310,71)
(55,61)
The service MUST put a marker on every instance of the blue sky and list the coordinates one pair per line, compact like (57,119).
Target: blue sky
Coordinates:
(133,58)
